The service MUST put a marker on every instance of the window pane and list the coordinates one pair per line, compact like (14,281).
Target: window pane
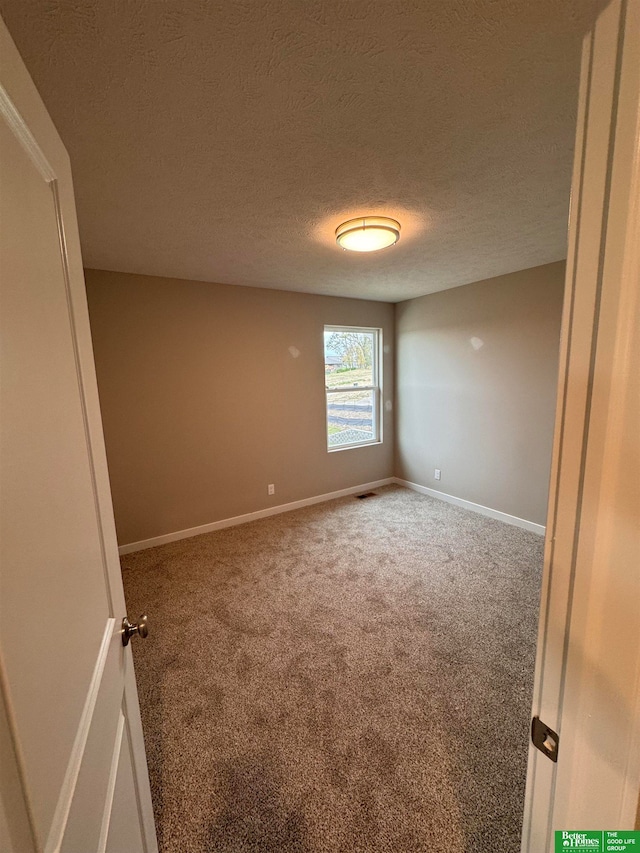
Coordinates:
(348,359)
(350,417)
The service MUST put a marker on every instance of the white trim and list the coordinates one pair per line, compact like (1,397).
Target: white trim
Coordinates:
(354,446)
(68,787)
(131,708)
(250,516)
(111,787)
(24,136)
(329,328)
(329,496)
(482,510)
(341,389)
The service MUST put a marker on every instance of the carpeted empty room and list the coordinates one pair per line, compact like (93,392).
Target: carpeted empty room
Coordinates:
(317,454)
(351,676)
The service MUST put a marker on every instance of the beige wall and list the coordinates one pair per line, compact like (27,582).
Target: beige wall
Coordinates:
(476,384)
(204,404)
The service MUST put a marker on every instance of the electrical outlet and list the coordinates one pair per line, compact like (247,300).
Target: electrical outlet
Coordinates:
(271,489)
(437,473)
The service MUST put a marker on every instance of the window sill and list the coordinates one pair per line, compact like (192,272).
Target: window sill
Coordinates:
(354,446)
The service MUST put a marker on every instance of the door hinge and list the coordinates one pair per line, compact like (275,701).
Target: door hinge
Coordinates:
(544,738)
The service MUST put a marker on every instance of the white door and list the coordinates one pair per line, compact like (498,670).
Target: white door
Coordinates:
(587,685)
(74,776)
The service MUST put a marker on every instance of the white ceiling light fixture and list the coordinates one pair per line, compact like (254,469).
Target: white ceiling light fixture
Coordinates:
(368,233)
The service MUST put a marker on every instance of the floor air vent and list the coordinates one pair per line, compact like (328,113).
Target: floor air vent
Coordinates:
(366,495)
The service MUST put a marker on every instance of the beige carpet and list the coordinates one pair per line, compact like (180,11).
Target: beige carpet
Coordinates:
(353,676)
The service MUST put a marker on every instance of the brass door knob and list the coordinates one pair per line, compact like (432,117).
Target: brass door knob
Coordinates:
(131,629)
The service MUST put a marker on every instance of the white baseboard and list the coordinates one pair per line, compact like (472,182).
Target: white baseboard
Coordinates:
(329,496)
(483,510)
(250,516)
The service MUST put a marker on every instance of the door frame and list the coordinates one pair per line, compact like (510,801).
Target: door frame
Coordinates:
(594,408)
(22,108)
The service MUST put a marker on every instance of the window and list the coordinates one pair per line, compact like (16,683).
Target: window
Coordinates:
(352,382)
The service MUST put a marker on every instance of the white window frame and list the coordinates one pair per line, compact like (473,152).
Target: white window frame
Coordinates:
(376,387)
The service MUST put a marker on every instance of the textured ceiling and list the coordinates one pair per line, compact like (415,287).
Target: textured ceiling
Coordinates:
(225,141)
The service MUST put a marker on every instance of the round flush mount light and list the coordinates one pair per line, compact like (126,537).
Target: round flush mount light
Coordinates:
(368,233)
